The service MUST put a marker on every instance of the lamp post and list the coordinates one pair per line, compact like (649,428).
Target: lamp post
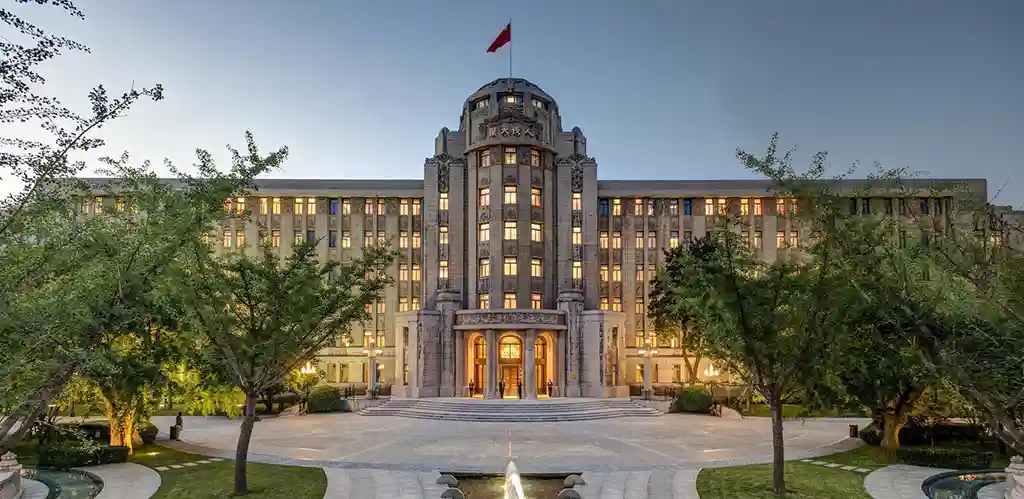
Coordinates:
(306,371)
(648,352)
(371,353)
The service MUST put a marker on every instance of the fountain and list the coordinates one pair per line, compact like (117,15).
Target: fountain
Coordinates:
(513,484)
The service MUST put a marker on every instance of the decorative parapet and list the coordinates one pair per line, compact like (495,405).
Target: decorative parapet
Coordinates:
(510,319)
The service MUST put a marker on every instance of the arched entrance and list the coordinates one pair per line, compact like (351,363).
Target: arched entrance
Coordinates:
(478,377)
(510,364)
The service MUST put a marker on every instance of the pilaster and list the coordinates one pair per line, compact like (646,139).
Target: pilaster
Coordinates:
(447,302)
(572,303)
(529,366)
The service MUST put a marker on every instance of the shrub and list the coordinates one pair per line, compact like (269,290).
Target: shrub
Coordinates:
(286,398)
(148,432)
(325,398)
(945,458)
(946,431)
(70,454)
(692,399)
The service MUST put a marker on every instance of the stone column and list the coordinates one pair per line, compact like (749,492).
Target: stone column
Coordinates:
(491,382)
(460,363)
(571,302)
(372,382)
(647,372)
(529,359)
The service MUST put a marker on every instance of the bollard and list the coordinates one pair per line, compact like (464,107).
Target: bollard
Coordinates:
(854,431)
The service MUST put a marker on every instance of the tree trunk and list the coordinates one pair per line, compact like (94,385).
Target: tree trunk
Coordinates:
(892,422)
(778,451)
(242,451)
(121,415)
(27,414)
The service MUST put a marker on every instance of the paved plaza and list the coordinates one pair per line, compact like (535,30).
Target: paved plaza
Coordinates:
(673,441)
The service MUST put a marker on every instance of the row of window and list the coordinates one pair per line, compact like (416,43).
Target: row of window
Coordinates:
(510,231)
(754,206)
(510,300)
(510,196)
(510,267)
(406,239)
(928,206)
(510,156)
(511,98)
(335,206)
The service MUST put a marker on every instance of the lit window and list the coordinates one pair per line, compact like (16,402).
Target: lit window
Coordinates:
(442,237)
(640,272)
(264,206)
(535,232)
(403,239)
(577,201)
(617,207)
(297,204)
(604,304)
(650,207)
(512,99)
(403,272)
(535,268)
(673,207)
(709,207)
(367,239)
(640,240)
(535,197)
(757,240)
(298,238)
(616,273)
(577,270)
(534,157)
(368,206)
(510,156)
(380,206)
(415,303)
(510,266)
(744,206)
(483,300)
(757,208)
(484,198)
(311,206)
(638,207)
(483,234)
(332,206)
(652,240)
(442,269)
(539,104)
(794,239)
(403,207)
(239,204)
(442,201)
(722,206)
(780,239)
(535,301)
(510,194)
(604,272)
(346,206)
(617,304)
(483,268)
(346,239)
(415,211)
(403,304)
(603,240)
(616,240)
(416,272)
(275,238)
(780,206)
(510,231)
(485,158)
(239,238)
(510,300)
(577,236)
(673,239)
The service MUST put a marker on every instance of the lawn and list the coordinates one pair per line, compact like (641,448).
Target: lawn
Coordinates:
(803,480)
(792,411)
(215,480)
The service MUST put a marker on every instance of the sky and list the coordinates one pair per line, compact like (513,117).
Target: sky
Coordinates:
(662,89)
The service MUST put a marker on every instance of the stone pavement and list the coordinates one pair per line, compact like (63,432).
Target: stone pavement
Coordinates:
(126,481)
(899,481)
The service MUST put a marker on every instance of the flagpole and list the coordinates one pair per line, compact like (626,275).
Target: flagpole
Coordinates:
(510,52)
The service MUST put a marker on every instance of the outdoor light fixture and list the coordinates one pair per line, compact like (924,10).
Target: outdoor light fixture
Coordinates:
(711,371)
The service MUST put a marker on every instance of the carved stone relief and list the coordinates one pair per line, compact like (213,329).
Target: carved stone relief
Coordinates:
(510,248)
(509,284)
(577,218)
(275,223)
(483,180)
(297,222)
(442,251)
(509,318)
(392,206)
(577,178)
(368,222)
(510,180)
(536,181)
(419,352)
(484,214)
(442,218)
(511,212)
(483,284)
(483,249)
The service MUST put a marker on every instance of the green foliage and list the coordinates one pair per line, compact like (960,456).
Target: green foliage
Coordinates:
(325,398)
(692,399)
(69,454)
(945,458)
(871,434)
(148,432)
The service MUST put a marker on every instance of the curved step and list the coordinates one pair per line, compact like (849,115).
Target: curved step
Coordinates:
(511,410)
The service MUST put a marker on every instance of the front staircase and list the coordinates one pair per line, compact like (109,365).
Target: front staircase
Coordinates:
(511,410)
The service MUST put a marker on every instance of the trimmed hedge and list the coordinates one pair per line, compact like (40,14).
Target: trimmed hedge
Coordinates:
(325,398)
(871,435)
(66,455)
(945,458)
(692,399)
(148,432)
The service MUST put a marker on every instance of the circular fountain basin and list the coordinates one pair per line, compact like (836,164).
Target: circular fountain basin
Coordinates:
(960,484)
(73,484)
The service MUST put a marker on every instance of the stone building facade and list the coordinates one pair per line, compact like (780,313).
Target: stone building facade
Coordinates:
(517,264)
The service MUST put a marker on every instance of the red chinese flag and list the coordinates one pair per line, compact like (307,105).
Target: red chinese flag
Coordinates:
(504,37)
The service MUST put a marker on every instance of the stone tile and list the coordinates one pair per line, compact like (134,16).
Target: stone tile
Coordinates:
(191,464)
(819,463)
(339,484)
(126,481)
(204,461)
(215,459)
(899,481)
(684,484)
(805,460)
(847,468)
(831,465)
(162,468)
(636,484)
(32,489)
(176,466)
(862,470)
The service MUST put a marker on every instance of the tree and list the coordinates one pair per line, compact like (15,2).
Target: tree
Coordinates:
(669,308)
(941,283)
(70,282)
(262,316)
(765,321)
